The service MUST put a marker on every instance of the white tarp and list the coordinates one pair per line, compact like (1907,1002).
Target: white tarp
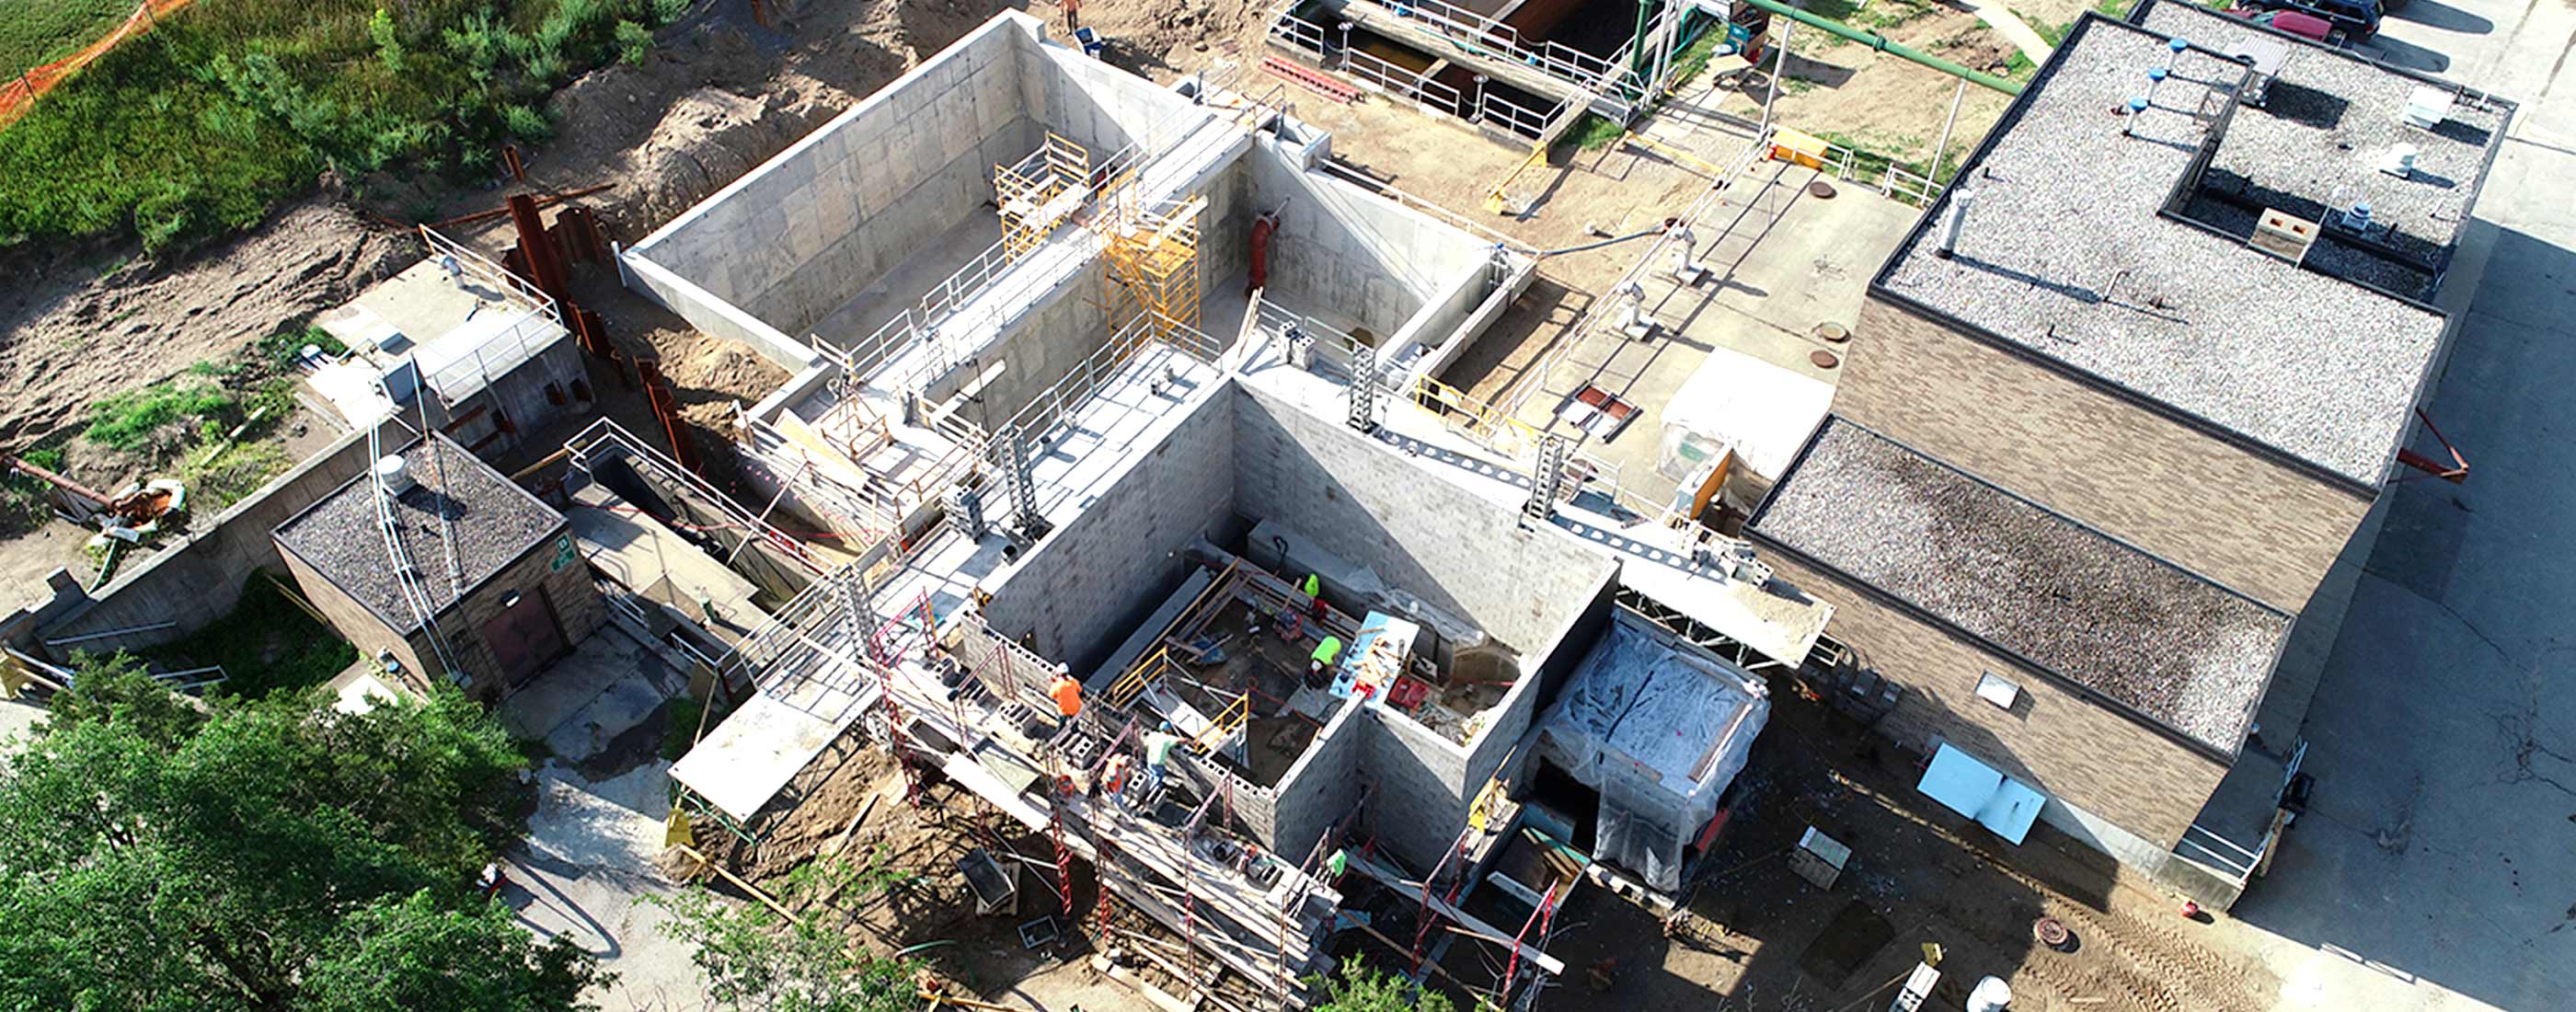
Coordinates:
(1971,788)
(1765,412)
(1659,728)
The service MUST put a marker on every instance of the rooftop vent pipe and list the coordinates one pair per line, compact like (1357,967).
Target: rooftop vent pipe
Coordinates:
(1960,201)
(393,474)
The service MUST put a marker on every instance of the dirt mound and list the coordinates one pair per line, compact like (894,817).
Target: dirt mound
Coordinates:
(73,334)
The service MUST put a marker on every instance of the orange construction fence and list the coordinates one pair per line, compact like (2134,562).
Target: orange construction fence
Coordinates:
(19,93)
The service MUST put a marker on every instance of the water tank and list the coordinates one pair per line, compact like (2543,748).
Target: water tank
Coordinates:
(1990,995)
(393,473)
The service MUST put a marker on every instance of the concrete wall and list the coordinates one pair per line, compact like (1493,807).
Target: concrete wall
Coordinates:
(1094,104)
(712,315)
(793,239)
(520,396)
(1343,252)
(2132,777)
(2243,519)
(1085,585)
(1358,499)
(1046,337)
(196,579)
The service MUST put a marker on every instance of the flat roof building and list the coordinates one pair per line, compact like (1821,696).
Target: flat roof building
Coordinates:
(2118,405)
(492,570)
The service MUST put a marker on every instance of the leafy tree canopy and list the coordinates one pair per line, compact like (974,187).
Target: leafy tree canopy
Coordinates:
(263,855)
(752,961)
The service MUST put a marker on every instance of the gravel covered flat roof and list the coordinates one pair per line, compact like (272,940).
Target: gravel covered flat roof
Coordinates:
(489,522)
(2065,254)
(2169,645)
(2329,117)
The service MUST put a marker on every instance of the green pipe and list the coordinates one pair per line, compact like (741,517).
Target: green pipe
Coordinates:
(1885,45)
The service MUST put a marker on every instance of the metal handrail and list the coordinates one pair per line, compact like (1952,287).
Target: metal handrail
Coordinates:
(605,435)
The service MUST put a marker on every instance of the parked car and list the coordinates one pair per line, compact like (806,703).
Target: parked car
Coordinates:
(2348,20)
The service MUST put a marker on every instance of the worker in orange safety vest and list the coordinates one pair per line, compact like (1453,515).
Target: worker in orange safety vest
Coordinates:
(1067,694)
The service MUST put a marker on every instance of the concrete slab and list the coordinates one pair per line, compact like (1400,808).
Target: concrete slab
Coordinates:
(584,871)
(605,687)
(1780,260)
(647,557)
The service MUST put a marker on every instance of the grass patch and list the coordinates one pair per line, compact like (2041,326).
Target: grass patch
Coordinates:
(266,646)
(37,32)
(131,419)
(195,129)
(1594,133)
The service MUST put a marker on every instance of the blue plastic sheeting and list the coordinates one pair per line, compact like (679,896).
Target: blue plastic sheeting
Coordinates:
(1971,788)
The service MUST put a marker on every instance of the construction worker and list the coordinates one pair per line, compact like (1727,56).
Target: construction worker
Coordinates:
(1072,15)
(1158,755)
(1313,588)
(1067,694)
(1319,665)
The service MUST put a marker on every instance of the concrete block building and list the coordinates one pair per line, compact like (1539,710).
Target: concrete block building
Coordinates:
(495,590)
(2119,404)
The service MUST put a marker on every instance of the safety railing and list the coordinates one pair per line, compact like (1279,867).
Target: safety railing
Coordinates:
(481,268)
(605,438)
(1881,173)
(1556,59)
(1041,421)
(521,340)
(1481,106)
(1479,420)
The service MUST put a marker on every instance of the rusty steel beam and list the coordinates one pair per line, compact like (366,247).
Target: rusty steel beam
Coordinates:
(2456,472)
(666,409)
(540,253)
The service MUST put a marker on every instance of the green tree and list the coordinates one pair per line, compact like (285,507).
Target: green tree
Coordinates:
(1361,989)
(269,855)
(751,961)
(115,690)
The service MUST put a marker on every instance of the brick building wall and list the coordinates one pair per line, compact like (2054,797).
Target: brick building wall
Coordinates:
(354,622)
(2266,528)
(2053,739)
(569,592)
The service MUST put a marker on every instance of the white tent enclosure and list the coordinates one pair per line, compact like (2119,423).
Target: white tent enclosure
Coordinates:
(1659,727)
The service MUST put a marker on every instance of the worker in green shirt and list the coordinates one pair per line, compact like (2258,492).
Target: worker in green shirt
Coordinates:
(1313,588)
(1319,665)
(1158,755)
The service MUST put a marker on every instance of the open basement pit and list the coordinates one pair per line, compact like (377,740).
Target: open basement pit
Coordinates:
(1170,583)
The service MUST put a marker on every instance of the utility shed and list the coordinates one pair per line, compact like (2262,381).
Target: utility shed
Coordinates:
(494,568)
(2069,659)
(1659,727)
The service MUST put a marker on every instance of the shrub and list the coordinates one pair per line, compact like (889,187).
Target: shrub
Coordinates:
(389,47)
(634,43)
(526,123)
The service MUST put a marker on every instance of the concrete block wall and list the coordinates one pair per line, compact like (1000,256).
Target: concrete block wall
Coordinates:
(199,578)
(1420,804)
(1084,586)
(1360,500)
(1320,788)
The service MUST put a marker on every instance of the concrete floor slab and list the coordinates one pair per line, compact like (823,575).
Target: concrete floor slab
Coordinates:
(584,872)
(1781,260)
(605,687)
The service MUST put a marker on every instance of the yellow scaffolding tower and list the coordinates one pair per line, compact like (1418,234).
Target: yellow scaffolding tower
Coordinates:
(1153,263)
(1040,192)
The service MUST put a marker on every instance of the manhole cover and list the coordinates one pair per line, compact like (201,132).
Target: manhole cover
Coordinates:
(2050,932)
(1824,359)
(1834,332)
(1820,190)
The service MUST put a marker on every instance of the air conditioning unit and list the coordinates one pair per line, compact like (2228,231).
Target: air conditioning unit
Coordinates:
(2283,236)
(2427,107)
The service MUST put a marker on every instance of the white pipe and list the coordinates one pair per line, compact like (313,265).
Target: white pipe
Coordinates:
(1960,201)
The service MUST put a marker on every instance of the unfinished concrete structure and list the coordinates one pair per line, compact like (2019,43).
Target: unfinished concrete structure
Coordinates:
(2178,306)
(1155,383)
